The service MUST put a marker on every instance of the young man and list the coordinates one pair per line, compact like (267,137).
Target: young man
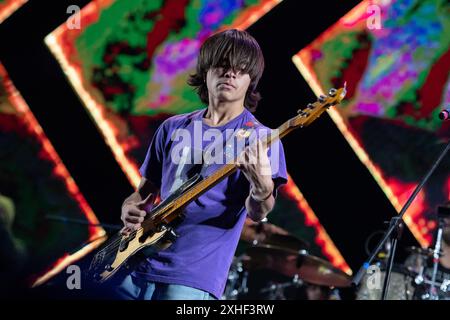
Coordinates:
(196,265)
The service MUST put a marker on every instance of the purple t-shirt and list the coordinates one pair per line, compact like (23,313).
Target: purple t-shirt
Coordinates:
(208,236)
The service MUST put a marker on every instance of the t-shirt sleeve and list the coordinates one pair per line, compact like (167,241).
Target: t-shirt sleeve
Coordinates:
(151,168)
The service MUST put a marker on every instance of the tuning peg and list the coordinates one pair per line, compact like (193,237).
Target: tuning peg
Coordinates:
(322,98)
(310,106)
(302,113)
(332,92)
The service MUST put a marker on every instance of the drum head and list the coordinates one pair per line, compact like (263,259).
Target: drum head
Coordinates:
(401,285)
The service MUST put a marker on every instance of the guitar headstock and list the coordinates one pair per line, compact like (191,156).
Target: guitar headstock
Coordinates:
(314,110)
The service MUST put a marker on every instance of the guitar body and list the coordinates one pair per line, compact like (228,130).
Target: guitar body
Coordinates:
(115,262)
(157,233)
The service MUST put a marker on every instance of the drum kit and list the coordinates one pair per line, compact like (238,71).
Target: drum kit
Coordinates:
(277,266)
(411,280)
(431,283)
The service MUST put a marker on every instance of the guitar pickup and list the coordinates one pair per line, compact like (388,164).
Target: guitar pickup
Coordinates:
(124,242)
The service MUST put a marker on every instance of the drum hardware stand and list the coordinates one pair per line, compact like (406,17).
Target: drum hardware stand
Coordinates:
(393,226)
(234,281)
(432,293)
(444,287)
(437,248)
(276,290)
(419,279)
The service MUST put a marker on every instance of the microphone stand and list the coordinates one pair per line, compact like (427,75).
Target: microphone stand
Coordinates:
(396,235)
(394,224)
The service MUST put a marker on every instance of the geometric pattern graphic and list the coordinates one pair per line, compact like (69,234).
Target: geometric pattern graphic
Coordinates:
(398,80)
(129,62)
(34,186)
(8,7)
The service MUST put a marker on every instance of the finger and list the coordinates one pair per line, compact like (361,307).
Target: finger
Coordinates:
(263,158)
(132,226)
(136,212)
(124,231)
(252,148)
(257,151)
(264,168)
(240,161)
(136,226)
(262,149)
(254,159)
(132,219)
(147,201)
(262,146)
(248,156)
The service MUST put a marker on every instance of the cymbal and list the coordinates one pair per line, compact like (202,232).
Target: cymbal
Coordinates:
(282,241)
(259,231)
(270,234)
(289,262)
(321,272)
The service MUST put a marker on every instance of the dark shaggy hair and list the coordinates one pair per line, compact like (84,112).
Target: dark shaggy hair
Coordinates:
(230,49)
